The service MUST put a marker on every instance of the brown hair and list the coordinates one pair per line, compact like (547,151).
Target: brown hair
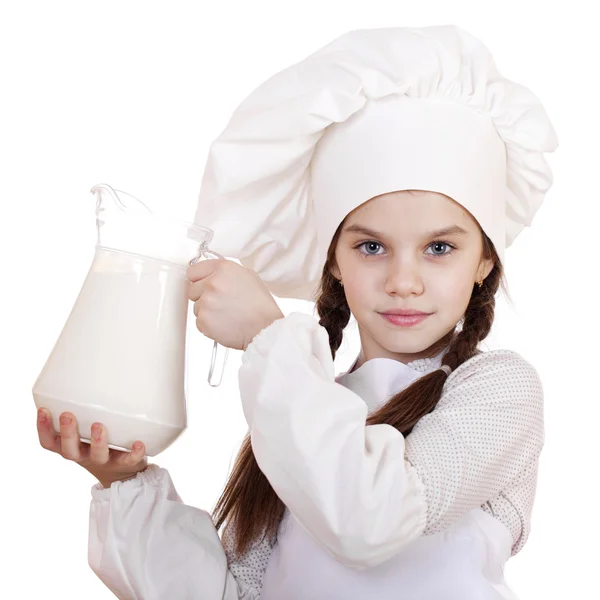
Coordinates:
(248,502)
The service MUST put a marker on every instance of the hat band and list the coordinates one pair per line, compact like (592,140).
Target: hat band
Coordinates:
(400,143)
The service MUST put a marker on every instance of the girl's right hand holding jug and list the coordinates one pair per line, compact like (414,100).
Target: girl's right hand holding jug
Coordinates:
(106,464)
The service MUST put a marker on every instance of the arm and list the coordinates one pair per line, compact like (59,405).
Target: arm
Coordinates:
(145,544)
(364,492)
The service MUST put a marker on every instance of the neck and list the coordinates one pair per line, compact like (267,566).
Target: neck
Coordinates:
(430,352)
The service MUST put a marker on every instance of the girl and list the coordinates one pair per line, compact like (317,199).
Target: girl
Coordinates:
(382,176)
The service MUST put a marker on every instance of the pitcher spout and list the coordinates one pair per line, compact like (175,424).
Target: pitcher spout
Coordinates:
(107,197)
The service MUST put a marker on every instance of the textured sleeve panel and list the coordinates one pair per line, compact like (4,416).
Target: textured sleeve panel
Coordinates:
(250,568)
(482,443)
(513,507)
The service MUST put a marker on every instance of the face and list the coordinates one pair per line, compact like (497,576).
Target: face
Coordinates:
(389,257)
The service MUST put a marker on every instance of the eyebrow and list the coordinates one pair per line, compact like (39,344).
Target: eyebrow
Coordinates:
(452,230)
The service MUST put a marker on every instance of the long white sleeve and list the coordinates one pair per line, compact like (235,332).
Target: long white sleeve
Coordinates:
(364,492)
(146,544)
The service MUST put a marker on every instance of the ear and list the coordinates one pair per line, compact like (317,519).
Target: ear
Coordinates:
(335,272)
(485,267)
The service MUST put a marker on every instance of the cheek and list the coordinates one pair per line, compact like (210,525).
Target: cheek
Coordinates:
(356,294)
(453,295)
(361,294)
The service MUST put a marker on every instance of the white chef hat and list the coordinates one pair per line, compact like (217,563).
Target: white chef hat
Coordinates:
(374,111)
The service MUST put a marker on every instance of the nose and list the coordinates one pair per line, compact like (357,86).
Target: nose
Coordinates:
(403,279)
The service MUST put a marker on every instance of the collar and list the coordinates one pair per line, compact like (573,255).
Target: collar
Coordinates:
(378,379)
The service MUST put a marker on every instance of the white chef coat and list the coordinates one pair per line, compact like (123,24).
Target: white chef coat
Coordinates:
(369,513)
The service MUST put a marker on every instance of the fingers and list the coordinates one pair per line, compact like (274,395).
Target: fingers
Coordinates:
(69,437)
(202,269)
(130,459)
(195,292)
(99,453)
(68,443)
(49,439)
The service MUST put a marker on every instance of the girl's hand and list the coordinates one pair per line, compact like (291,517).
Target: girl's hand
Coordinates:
(231,303)
(106,464)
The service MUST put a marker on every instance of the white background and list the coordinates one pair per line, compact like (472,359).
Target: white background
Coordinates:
(131,93)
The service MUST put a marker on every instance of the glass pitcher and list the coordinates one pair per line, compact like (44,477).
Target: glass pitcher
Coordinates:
(120,358)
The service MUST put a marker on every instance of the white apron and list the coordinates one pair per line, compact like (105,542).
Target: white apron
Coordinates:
(464,562)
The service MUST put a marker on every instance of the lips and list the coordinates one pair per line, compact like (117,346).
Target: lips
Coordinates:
(404,320)
(405,313)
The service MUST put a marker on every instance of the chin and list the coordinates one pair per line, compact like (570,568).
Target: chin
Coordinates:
(405,342)
(408,340)
(406,348)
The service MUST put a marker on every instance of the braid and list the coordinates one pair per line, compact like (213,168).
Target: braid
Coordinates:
(334,312)
(476,323)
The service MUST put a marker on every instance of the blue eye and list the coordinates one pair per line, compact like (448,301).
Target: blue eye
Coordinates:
(372,243)
(442,243)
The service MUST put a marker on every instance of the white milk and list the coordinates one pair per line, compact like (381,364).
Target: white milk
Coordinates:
(120,358)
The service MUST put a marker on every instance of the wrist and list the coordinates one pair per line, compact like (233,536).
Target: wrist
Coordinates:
(106,483)
(274,316)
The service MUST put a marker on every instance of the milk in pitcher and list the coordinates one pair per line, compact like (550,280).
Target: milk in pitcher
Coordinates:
(120,358)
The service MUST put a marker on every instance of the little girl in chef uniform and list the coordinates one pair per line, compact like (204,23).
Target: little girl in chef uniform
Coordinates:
(381,177)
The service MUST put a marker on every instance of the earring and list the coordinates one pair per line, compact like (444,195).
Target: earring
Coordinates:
(480,283)
(341,282)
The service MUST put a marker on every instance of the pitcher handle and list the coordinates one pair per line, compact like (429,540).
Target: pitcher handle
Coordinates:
(219,353)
